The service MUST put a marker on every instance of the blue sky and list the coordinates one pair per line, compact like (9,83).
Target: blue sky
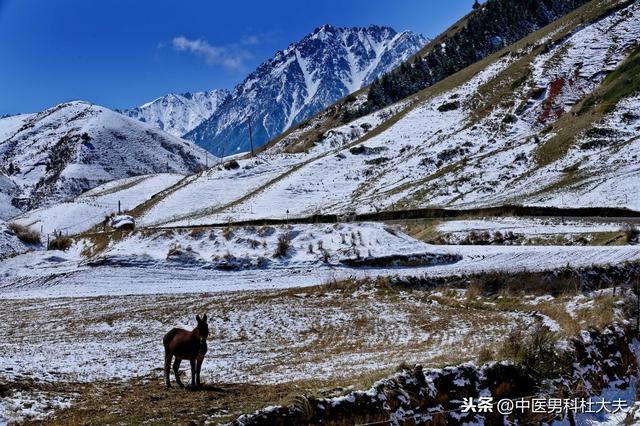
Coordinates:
(122,53)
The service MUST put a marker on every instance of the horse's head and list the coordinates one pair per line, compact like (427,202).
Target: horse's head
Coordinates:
(203,328)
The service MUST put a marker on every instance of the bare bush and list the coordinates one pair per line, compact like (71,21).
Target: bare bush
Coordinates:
(632,233)
(284,244)
(326,255)
(227,233)
(60,242)
(24,233)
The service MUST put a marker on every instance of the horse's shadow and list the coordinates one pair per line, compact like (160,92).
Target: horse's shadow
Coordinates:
(205,387)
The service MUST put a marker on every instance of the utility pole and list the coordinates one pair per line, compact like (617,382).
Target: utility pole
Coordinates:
(206,161)
(250,136)
(119,211)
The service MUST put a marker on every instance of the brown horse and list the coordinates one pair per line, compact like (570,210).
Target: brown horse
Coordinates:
(183,344)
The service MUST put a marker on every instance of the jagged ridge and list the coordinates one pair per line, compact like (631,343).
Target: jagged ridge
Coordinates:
(296,83)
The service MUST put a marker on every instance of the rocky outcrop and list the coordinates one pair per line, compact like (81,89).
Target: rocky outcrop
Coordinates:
(598,360)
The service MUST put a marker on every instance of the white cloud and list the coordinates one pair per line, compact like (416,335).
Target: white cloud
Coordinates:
(250,40)
(231,57)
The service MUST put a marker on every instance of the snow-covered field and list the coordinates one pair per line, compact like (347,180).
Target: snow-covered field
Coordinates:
(549,230)
(320,334)
(257,247)
(90,208)
(162,262)
(531,226)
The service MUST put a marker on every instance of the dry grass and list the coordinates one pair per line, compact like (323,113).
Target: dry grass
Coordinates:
(146,401)
(24,233)
(379,323)
(60,242)
(422,229)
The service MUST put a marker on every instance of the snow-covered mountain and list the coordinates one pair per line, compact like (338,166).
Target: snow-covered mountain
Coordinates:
(296,83)
(75,146)
(550,120)
(178,114)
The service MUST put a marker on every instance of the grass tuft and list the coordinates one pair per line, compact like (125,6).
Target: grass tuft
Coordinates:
(24,233)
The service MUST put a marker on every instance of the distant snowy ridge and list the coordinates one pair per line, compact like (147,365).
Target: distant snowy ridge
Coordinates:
(178,114)
(63,151)
(296,83)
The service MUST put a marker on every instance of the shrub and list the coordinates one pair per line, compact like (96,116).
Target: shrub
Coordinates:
(404,366)
(629,117)
(284,243)
(265,231)
(449,106)
(326,255)
(24,233)
(174,250)
(485,355)
(633,233)
(231,165)
(227,233)
(60,242)
(536,352)
(376,161)
(509,119)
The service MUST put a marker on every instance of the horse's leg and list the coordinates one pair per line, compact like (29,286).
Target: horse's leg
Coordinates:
(198,367)
(167,366)
(193,372)
(176,366)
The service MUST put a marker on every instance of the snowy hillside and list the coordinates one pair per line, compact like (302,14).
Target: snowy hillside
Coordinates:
(178,114)
(90,208)
(70,148)
(529,125)
(309,75)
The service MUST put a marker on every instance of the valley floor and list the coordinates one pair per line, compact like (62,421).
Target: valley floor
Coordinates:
(83,332)
(79,350)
